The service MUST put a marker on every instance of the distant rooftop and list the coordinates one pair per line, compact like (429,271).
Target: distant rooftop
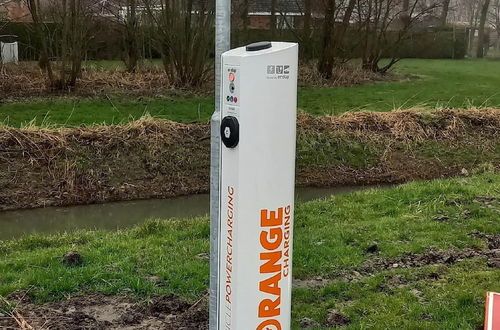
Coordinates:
(286,6)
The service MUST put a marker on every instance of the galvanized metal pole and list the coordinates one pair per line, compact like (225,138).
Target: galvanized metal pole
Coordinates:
(222,44)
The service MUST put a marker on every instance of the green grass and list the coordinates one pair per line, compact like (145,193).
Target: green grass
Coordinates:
(331,236)
(115,110)
(440,83)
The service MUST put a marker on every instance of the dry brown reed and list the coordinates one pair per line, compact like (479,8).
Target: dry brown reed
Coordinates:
(152,158)
(414,124)
(27,80)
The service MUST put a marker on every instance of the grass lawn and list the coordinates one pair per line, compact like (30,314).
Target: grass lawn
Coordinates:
(331,240)
(115,110)
(441,83)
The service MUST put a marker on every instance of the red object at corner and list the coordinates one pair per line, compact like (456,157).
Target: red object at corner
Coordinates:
(492,314)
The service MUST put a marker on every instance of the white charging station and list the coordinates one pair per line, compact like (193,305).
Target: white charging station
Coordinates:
(257,179)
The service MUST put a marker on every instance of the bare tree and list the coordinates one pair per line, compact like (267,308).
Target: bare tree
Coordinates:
(126,17)
(333,33)
(73,19)
(444,12)
(274,22)
(184,37)
(4,19)
(377,17)
(42,35)
(472,11)
(244,11)
(240,21)
(405,13)
(482,23)
(307,18)
(131,35)
(495,20)
(327,56)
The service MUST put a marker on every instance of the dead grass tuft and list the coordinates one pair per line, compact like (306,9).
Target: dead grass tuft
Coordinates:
(27,80)
(415,124)
(13,313)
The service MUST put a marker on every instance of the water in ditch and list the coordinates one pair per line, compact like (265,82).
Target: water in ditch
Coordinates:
(111,216)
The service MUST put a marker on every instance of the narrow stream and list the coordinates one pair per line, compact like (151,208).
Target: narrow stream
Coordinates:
(111,216)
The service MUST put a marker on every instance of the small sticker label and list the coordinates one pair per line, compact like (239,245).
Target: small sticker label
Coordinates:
(279,72)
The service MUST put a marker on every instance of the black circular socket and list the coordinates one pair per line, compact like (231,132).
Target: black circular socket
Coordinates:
(230,131)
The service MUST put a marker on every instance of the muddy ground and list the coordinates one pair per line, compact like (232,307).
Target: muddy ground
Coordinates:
(431,257)
(159,159)
(98,312)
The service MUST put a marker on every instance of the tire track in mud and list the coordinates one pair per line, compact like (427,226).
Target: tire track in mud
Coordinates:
(431,257)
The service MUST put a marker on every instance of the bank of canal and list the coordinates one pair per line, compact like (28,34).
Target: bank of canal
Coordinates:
(120,215)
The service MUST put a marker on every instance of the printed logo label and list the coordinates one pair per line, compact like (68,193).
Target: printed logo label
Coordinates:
(278,72)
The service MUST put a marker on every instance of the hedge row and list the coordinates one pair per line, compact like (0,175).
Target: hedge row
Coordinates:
(108,43)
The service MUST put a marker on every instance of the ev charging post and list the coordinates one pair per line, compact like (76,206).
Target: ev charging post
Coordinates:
(258,96)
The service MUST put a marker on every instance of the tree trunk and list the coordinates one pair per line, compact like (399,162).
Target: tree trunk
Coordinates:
(473,26)
(273,18)
(306,32)
(61,84)
(482,23)
(76,42)
(342,30)
(245,17)
(405,13)
(44,61)
(326,62)
(307,18)
(444,12)
(367,47)
(131,35)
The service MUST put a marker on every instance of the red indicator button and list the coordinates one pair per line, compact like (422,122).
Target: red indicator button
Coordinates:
(231,77)
(235,99)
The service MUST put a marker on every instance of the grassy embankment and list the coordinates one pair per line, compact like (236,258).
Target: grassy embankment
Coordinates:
(376,289)
(440,83)
(71,166)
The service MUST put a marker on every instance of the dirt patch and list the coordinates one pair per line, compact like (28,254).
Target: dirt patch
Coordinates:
(393,281)
(432,257)
(493,241)
(160,159)
(336,319)
(315,282)
(307,323)
(111,312)
(72,258)
(487,202)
